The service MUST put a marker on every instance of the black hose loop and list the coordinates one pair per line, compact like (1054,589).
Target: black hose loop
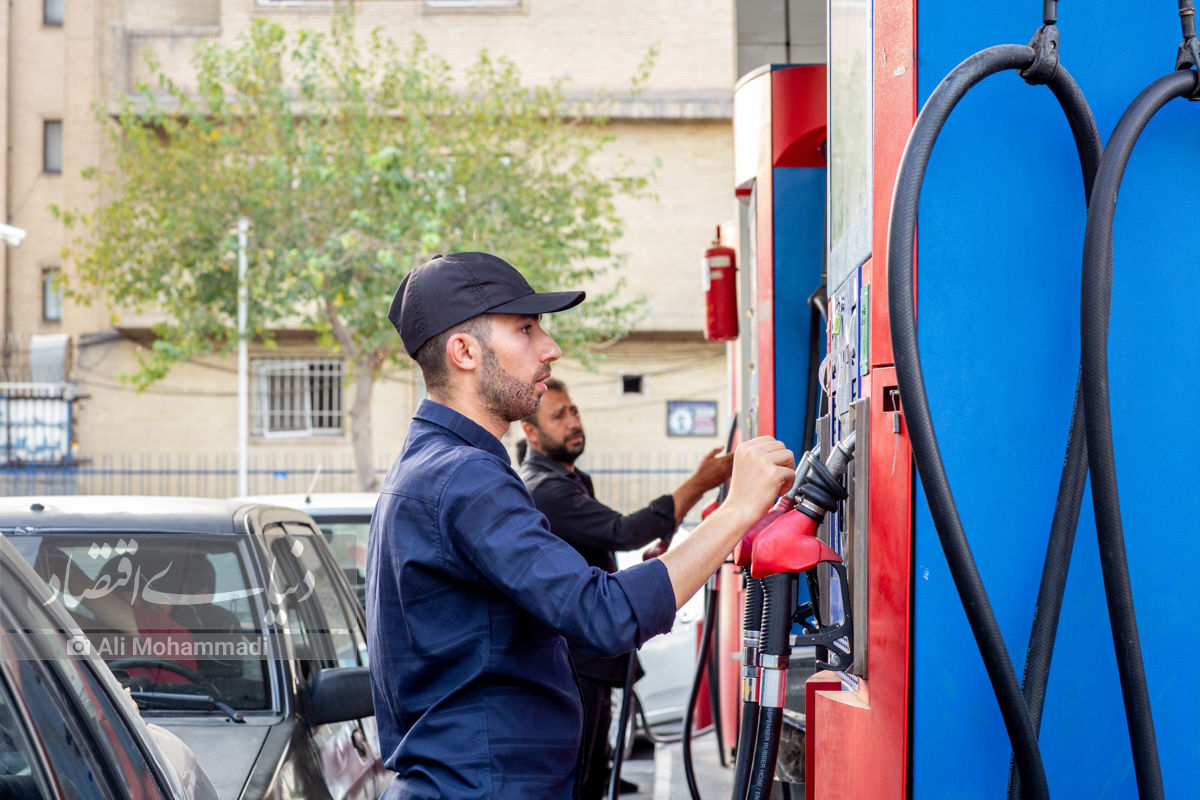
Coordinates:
(1065,522)
(1096,304)
(902,225)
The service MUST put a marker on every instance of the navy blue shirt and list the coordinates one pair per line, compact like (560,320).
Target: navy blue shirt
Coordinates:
(469,598)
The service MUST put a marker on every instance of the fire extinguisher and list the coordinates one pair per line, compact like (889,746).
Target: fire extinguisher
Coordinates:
(720,292)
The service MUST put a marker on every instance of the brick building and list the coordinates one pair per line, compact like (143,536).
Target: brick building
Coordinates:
(66,56)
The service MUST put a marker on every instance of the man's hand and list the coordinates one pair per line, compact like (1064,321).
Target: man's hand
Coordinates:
(712,471)
(762,470)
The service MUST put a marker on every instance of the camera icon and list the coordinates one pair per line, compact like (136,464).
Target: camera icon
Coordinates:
(79,645)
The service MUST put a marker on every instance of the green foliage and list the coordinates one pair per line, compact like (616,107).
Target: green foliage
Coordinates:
(354,160)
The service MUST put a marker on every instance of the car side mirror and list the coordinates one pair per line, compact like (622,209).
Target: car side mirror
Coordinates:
(340,694)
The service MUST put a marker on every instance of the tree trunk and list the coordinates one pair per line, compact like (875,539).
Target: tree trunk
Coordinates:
(360,425)
(366,367)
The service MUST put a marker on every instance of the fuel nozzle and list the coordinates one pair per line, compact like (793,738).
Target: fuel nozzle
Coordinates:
(789,545)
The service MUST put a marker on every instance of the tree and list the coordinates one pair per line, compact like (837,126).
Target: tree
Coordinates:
(353,163)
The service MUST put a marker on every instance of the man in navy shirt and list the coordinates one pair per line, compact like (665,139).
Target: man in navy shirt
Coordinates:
(470,598)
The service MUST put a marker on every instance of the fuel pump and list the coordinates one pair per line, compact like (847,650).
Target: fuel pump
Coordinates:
(782,547)
(1021,707)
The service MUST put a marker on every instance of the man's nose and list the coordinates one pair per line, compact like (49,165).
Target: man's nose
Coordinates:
(550,349)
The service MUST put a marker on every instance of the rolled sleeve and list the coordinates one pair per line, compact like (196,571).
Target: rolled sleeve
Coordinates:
(648,587)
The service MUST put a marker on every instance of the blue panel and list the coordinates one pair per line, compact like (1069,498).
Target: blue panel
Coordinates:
(1000,246)
(799,208)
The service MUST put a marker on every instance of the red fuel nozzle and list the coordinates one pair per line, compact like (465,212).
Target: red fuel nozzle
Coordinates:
(745,545)
(789,544)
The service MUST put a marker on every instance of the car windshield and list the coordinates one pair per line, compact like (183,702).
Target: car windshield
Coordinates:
(170,614)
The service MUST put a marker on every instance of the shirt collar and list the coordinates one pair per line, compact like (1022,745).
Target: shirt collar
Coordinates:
(463,427)
(541,461)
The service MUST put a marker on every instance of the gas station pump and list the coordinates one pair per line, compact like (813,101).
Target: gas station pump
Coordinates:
(944,587)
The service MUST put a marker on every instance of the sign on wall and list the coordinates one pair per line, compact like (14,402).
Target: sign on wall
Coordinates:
(691,418)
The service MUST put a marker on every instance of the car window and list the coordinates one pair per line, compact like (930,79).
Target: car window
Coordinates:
(20,773)
(170,614)
(348,648)
(347,541)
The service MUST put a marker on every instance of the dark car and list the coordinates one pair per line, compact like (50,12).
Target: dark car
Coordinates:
(67,729)
(230,624)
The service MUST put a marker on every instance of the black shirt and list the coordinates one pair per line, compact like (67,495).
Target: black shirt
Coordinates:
(568,500)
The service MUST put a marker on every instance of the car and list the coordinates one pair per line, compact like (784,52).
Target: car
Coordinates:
(669,660)
(345,519)
(229,623)
(67,728)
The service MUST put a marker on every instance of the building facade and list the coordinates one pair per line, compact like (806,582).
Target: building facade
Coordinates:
(661,391)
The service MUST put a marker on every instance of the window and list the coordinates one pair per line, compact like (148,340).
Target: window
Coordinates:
(631,384)
(52,145)
(51,294)
(297,396)
(52,12)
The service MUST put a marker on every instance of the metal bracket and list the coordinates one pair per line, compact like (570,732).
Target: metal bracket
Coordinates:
(1189,58)
(1045,56)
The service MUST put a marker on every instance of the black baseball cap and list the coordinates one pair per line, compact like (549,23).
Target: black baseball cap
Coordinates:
(450,289)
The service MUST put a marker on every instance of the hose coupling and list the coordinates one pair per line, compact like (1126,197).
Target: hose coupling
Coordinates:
(768,661)
(773,688)
(1189,58)
(749,689)
(1045,56)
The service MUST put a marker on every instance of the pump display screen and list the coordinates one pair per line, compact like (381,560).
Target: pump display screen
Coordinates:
(849,157)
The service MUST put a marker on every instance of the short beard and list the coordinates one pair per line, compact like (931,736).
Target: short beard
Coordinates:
(504,394)
(564,453)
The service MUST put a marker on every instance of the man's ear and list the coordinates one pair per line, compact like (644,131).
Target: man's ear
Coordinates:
(531,433)
(463,352)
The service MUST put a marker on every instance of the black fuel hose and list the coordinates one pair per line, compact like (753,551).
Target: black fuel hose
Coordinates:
(1065,522)
(779,601)
(706,634)
(941,102)
(1096,301)
(752,622)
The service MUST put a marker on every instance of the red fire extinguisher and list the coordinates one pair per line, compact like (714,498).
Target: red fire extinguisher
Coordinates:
(720,292)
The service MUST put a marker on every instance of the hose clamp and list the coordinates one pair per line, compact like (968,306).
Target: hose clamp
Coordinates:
(750,690)
(817,511)
(768,661)
(751,638)
(1189,58)
(1045,56)
(773,688)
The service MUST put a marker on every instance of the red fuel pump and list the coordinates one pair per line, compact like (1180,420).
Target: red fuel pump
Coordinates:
(720,292)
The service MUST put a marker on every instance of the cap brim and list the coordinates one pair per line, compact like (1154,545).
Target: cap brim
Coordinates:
(540,303)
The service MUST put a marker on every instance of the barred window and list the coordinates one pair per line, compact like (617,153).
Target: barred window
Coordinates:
(297,396)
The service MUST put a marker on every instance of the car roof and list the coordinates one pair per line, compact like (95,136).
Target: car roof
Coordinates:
(322,503)
(136,513)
